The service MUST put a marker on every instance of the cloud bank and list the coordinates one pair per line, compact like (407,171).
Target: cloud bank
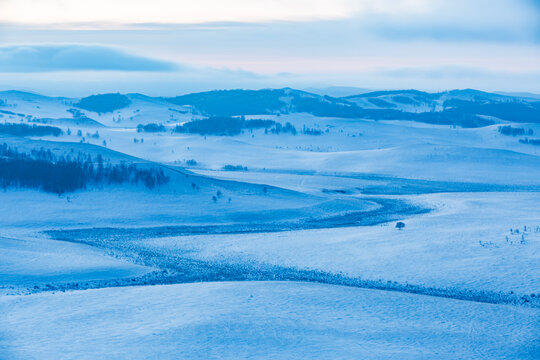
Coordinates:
(171,11)
(430,44)
(491,20)
(45,58)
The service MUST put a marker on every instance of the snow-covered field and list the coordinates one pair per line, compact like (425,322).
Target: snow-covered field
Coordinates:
(464,243)
(433,153)
(38,263)
(261,320)
(321,209)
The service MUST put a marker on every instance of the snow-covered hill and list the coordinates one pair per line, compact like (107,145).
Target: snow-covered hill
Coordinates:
(294,186)
(468,108)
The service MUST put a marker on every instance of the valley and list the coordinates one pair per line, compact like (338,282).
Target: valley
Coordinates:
(268,232)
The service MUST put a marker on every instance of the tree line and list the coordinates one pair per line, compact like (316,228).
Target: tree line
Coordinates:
(230,126)
(27,130)
(535,142)
(43,170)
(152,128)
(222,126)
(512,131)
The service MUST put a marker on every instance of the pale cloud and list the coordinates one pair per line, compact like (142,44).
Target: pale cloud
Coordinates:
(170,11)
(367,43)
(464,20)
(109,14)
(400,18)
(43,58)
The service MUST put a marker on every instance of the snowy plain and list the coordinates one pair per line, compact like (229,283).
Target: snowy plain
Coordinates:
(465,242)
(478,231)
(261,320)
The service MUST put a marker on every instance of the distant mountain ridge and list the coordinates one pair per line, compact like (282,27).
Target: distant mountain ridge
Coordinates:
(465,108)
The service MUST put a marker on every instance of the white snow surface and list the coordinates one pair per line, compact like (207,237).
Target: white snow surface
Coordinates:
(261,320)
(464,243)
(39,261)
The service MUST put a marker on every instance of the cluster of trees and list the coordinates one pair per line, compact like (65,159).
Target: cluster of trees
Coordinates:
(535,142)
(41,169)
(94,135)
(310,131)
(75,112)
(258,124)
(27,130)
(511,131)
(103,103)
(224,126)
(230,126)
(235,168)
(227,126)
(287,128)
(446,117)
(512,111)
(7,112)
(152,128)
(80,119)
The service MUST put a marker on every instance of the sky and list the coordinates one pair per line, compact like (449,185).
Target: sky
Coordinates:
(169,47)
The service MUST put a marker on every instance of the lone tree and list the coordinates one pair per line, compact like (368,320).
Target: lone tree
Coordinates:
(400,225)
